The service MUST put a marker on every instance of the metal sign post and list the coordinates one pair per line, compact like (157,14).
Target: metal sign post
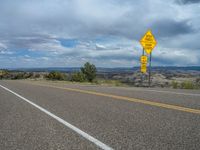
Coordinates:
(150,70)
(142,76)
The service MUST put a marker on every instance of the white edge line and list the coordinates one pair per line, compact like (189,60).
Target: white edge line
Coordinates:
(72,127)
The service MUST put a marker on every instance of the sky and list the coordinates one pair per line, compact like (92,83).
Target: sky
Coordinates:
(68,33)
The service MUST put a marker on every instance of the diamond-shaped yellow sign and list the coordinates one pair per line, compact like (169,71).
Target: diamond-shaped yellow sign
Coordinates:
(148,42)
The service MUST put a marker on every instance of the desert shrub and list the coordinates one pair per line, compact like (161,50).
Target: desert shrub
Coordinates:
(37,75)
(89,70)
(187,85)
(28,75)
(118,83)
(4,74)
(78,77)
(54,75)
(17,76)
(198,80)
(108,82)
(174,84)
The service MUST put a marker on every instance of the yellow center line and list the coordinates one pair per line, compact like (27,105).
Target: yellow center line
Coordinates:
(146,102)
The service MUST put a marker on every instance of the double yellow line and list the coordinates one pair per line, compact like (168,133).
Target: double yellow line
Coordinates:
(156,104)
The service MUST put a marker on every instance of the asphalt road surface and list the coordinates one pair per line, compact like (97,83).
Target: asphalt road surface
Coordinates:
(48,115)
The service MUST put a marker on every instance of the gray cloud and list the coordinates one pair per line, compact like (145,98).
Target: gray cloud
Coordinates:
(62,19)
(28,41)
(187,1)
(170,28)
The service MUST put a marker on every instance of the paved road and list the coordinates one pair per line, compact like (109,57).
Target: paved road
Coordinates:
(102,117)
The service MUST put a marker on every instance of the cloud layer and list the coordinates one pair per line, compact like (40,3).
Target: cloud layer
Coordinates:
(46,33)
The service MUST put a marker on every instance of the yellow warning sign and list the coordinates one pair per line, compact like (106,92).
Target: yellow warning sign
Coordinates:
(143,59)
(143,68)
(148,42)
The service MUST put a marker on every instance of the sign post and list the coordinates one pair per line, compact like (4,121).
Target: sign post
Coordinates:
(148,43)
(142,76)
(150,70)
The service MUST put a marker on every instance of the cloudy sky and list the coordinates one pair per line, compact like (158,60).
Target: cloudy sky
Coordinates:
(67,33)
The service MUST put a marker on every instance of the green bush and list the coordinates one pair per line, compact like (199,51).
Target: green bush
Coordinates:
(37,75)
(78,77)
(3,74)
(174,84)
(18,76)
(54,75)
(89,70)
(197,82)
(187,85)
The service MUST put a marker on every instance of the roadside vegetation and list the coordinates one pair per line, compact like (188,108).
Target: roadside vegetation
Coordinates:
(89,71)
(78,77)
(15,75)
(88,75)
(186,84)
(55,75)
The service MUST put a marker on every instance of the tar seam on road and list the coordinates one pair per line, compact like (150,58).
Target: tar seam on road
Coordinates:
(146,102)
(72,127)
(170,92)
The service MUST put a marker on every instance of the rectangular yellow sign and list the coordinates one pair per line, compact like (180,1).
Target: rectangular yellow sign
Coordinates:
(143,59)
(143,68)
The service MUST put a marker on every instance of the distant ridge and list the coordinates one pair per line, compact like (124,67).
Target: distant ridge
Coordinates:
(109,70)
